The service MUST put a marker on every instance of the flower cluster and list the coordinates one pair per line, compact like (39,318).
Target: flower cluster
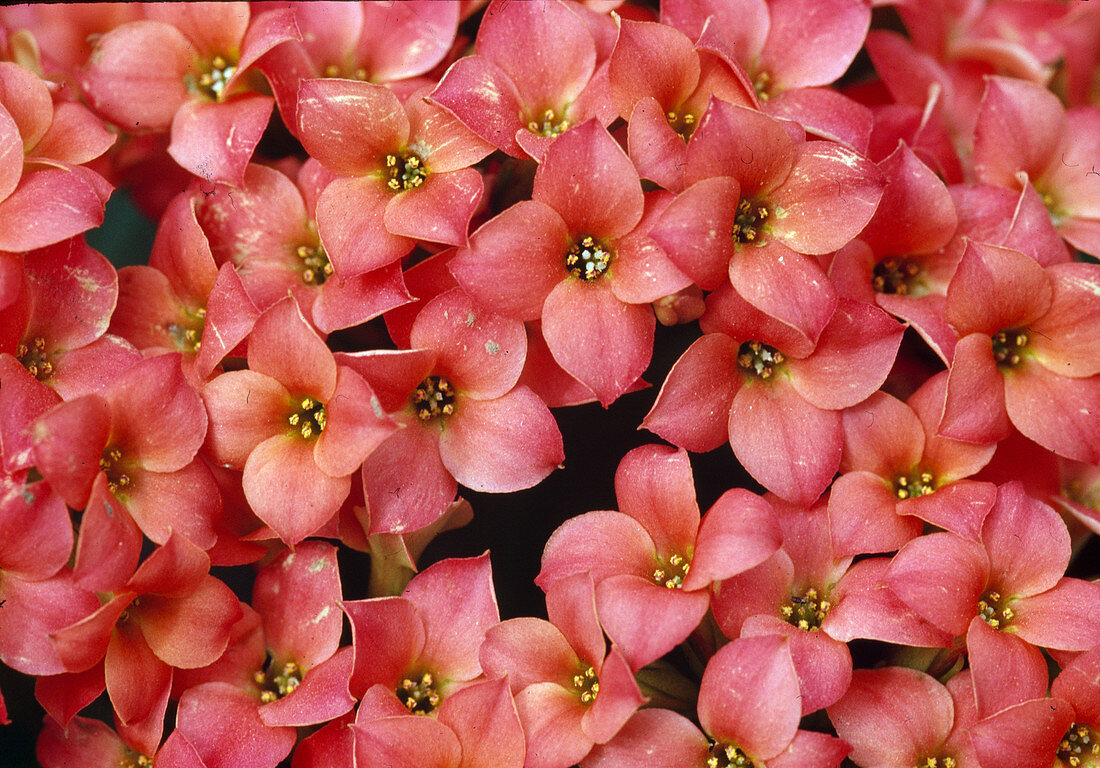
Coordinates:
(396,241)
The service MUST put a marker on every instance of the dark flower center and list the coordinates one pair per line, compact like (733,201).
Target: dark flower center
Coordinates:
(277,683)
(33,357)
(682,123)
(672,573)
(749,220)
(1080,743)
(1007,346)
(762,84)
(913,485)
(132,759)
(111,465)
(937,762)
(759,359)
(188,336)
(418,694)
(992,609)
(806,611)
(309,419)
(213,77)
(406,171)
(549,125)
(895,275)
(434,397)
(316,268)
(587,259)
(727,756)
(587,684)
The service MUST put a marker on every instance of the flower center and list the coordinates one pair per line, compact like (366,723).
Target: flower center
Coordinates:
(587,259)
(550,125)
(895,275)
(132,759)
(316,268)
(188,337)
(587,684)
(277,683)
(406,171)
(759,359)
(1080,743)
(332,70)
(937,762)
(806,611)
(213,77)
(749,220)
(1007,346)
(434,397)
(683,124)
(762,84)
(672,573)
(992,611)
(309,420)
(111,465)
(33,357)
(727,756)
(418,694)
(914,485)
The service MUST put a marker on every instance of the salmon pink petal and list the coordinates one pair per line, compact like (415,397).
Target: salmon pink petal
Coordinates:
(173,570)
(1019,128)
(485,99)
(996,289)
(284,346)
(69,441)
(658,152)
(1077,684)
(215,141)
(186,501)
(695,400)
(501,445)
(1023,736)
(135,677)
(38,536)
(749,696)
(75,136)
(529,230)
(743,143)
(823,665)
(893,716)
(926,315)
(51,205)
(191,631)
(881,435)
(1055,411)
(439,211)
(738,533)
(695,230)
(245,408)
(451,145)
(80,288)
(355,425)
(407,742)
(941,576)
(643,273)
(651,60)
(551,717)
(529,651)
(1006,670)
(82,739)
(829,196)
(863,515)
(346,302)
(406,39)
(388,635)
(605,210)
(646,620)
(480,352)
(123,85)
(974,409)
(398,501)
(658,738)
(615,344)
(603,543)
(759,591)
(812,43)
(790,287)
(457,603)
(484,718)
(52,626)
(1071,190)
(321,696)
(350,126)
(222,723)
(1065,617)
(744,23)
(213,29)
(810,749)
(11,155)
(567,53)
(22,400)
(826,114)
(960,507)
(1027,543)
(654,485)
(230,316)
(350,222)
(619,699)
(788,445)
(288,491)
(1063,339)
(916,214)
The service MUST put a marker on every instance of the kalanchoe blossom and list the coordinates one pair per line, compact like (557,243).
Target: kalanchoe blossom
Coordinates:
(94,744)
(579,256)
(403,172)
(465,420)
(297,423)
(758,198)
(533,77)
(570,691)
(1025,352)
(772,393)
(196,86)
(654,560)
